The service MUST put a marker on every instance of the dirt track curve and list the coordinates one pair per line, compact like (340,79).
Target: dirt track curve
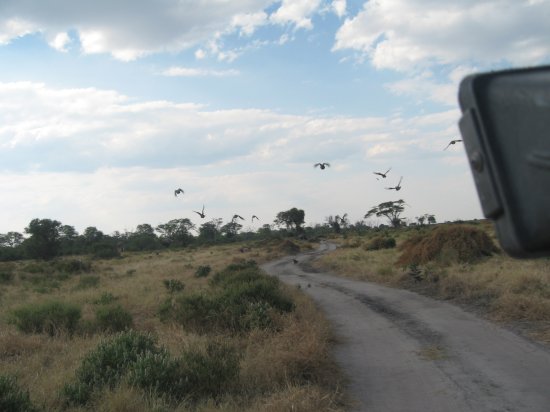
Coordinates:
(404,352)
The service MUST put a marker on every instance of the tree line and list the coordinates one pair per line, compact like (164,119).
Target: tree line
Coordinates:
(48,238)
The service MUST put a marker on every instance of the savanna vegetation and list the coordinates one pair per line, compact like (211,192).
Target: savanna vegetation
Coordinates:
(460,262)
(176,329)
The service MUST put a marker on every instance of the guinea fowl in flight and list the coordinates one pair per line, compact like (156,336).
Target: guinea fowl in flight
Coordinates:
(382,174)
(178,191)
(398,187)
(254,217)
(237,216)
(322,165)
(201,214)
(452,142)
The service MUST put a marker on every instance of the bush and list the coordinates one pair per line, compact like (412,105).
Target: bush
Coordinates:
(380,242)
(12,398)
(105,250)
(105,299)
(108,364)
(6,277)
(113,319)
(240,298)
(73,266)
(289,247)
(447,244)
(173,285)
(203,271)
(88,281)
(50,317)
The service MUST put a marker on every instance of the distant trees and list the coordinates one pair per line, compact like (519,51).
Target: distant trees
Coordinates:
(44,241)
(292,219)
(177,232)
(210,231)
(426,218)
(390,210)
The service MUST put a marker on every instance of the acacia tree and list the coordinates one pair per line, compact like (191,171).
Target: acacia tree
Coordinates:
(390,210)
(292,219)
(210,231)
(176,232)
(44,240)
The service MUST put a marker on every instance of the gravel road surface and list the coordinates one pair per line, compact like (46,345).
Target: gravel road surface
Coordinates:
(404,352)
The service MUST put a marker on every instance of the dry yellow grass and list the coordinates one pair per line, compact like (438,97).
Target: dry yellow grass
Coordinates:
(293,363)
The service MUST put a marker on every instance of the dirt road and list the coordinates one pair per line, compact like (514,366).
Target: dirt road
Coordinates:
(404,352)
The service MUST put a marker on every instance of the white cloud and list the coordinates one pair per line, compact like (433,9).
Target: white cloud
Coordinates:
(14,27)
(194,72)
(60,42)
(404,34)
(339,7)
(247,23)
(297,12)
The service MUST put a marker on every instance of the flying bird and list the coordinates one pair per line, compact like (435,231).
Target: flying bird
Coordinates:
(254,217)
(382,174)
(178,192)
(201,214)
(322,165)
(398,187)
(237,216)
(452,142)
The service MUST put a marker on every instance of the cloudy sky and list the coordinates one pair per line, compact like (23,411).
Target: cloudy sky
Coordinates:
(107,107)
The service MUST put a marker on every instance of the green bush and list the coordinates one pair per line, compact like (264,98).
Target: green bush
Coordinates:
(73,266)
(50,317)
(240,298)
(113,318)
(173,285)
(203,271)
(380,242)
(105,299)
(12,398)
(108,364)
(6,277)
(88,281)
(105,250)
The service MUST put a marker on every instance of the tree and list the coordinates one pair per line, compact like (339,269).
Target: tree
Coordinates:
(390,210)
(44,240)
(210,231)
(11,239)
(426,218)
(292,219)
(333,222)
(231,229)
(176,232)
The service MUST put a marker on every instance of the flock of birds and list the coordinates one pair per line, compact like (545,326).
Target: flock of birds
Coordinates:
(322,166)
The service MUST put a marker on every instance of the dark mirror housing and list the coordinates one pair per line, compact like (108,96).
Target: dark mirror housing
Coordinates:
(505,127)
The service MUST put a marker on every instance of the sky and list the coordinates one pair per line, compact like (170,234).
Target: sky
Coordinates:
(107,107)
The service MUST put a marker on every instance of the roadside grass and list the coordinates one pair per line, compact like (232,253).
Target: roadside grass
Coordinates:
(284,368)
(516,292)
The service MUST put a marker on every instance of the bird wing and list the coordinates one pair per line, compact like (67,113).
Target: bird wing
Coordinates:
(327,164)
(387,171)
(447,146)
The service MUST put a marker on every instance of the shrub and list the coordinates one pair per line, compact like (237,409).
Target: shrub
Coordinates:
(380,242)
(203,271)
(105,250)
(173,285)
(289,247)
(12,398)
(73,266)
(50,317)
(159,373)
(6,277)
(240,298)
(446,244)
(105,299)
(89,281)
(108,364)
(113,318)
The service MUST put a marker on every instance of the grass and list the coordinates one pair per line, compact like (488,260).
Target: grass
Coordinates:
(284,368)
(516,292)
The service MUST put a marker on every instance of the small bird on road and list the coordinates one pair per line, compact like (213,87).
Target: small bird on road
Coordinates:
(396,188)
(382,174)
(452,142)
(201,214)
(322,165)
(178,192)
